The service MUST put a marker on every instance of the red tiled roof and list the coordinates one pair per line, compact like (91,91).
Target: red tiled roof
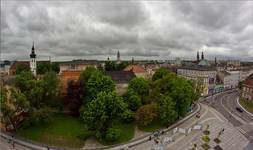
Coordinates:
(249,80)
(135,69)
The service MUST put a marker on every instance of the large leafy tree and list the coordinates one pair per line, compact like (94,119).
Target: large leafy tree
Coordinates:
(132,99)
(102,110)
(50,83)
(160,73)
(98,83)
(55,67)
(25,81)
(39,91)
(180,90)
(13,103)
(43,68)
(110,66)
(113,66)
(167,110)
(20,68)
(146,114)
(140,86)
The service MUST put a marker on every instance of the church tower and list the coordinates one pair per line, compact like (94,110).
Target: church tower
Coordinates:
(33,65)
(202,55)
(198,56)
(118,57)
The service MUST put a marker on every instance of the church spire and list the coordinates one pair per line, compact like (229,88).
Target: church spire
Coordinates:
(202,55)
(198,56)
(33,55)
(118,57)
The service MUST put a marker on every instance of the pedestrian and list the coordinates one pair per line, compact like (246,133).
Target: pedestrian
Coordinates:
(223,130)
(149,138)
(48,148)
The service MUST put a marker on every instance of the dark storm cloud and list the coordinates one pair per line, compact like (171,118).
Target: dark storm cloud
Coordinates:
(142,29)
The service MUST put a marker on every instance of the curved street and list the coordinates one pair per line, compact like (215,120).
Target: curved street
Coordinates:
(214,113)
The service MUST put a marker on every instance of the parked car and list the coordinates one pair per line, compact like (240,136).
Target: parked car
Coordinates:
(239,109)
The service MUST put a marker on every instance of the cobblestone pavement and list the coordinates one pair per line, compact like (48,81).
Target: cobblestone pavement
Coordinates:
(231,139)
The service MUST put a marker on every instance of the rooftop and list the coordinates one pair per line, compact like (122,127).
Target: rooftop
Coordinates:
(135,68)
(121,76)
(249,80)
(197,67)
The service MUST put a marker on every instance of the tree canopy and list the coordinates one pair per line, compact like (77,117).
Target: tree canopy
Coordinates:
(100,112)
(113,66)
(160,73)
(140,86)
(132,99)
(43,68)
(146,114)
(167,110)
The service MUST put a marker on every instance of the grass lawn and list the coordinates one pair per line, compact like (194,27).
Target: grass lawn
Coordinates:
(155,125)
(126,134)
(62,132)
(248,105)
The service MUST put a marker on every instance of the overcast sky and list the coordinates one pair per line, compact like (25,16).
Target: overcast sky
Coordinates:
(143,29)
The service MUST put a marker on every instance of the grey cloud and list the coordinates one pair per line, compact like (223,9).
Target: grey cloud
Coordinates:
(98,29)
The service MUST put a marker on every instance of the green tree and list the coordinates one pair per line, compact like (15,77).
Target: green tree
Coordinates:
(24,81)
(122,65)
(112,134)
(113,66)
(160,73)
(50,83)
(140,86)
(12,106)
(87,73)
(55,67)
(98,83)
(42,68)
(179,89)
(110,66)
(240,85)
(132,99)
(167,110)
(101,111)
(21,68)
(146,114)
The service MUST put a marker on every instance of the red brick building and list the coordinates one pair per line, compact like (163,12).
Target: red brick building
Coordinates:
(66,77)
(247,88)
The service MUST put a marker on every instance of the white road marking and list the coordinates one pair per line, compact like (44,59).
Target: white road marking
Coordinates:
(241,130)
(243,107)
(237,118)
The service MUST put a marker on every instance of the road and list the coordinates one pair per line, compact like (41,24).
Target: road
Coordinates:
(226,104)
(232,139)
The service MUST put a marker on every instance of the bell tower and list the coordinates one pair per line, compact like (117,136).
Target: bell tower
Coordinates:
(33,64)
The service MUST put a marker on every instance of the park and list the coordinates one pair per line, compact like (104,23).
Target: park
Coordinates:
(94,113)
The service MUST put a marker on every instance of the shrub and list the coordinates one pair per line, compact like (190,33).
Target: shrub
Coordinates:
(217,140)
(112,134)
(146,114)
(41,116)
(206,132)
(206,138)
(128,116)
(205,146)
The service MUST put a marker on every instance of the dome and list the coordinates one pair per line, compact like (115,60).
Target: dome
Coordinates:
(204,62)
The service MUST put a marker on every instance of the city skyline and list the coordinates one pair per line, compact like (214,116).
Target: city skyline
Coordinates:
(67,30)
